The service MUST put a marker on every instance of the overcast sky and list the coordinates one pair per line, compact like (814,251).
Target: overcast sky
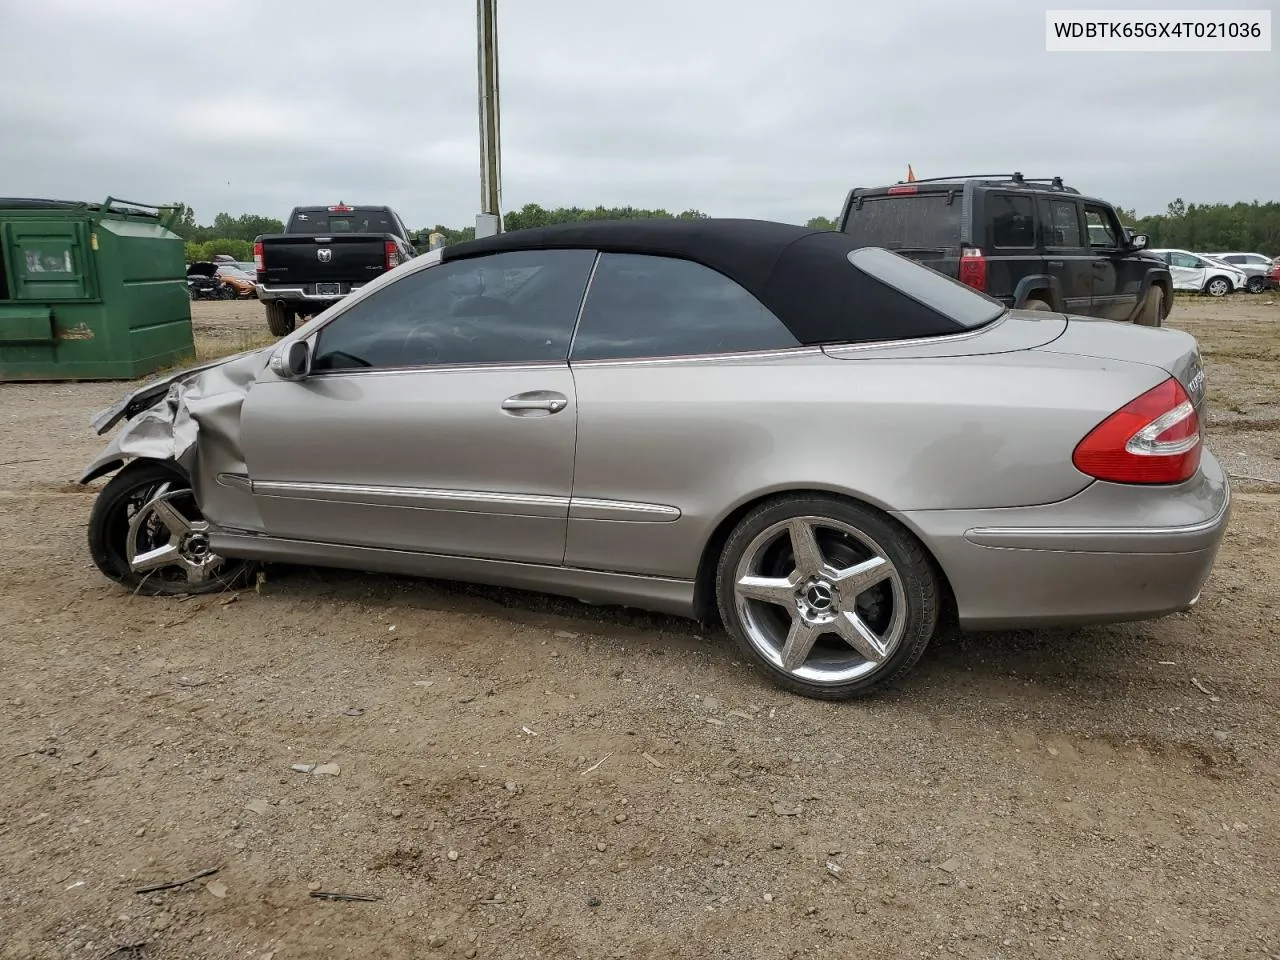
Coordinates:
(753,108)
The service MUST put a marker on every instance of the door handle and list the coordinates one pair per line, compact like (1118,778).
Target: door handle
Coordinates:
(536,400)
(1055,263)
(555,406)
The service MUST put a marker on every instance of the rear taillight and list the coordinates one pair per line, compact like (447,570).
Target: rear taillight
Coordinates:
(257,256)
(903,189)
(1152,439)
(973,268)
(393,255)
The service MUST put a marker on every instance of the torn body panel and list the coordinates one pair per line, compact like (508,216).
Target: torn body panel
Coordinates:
(194,424)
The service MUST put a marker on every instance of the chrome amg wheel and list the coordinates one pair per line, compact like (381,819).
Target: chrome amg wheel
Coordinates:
(829,598)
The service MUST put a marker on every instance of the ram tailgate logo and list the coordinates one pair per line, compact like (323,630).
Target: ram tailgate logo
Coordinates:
(324,254)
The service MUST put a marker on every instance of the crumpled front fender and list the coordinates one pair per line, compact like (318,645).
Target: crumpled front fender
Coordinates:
(195,426)
(111,459)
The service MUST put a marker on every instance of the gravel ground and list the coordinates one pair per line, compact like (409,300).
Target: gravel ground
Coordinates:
(517,776)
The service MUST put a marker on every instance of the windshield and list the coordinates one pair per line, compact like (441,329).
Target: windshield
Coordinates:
(906,222)
(940,293)
(326,222)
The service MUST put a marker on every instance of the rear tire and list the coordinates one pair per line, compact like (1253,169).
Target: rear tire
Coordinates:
(827,598)
(1152,310)
(1036,304)
(280,319)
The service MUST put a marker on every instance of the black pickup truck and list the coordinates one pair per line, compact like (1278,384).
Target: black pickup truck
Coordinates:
(324,254)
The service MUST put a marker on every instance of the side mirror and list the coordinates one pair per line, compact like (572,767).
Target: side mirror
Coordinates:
(1139,242)
(293,362)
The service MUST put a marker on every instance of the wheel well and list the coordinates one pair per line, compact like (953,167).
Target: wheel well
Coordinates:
(113,466)
(1041,293)
(704,586)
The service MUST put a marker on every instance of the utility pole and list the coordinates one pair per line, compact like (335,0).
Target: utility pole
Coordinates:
(489,221)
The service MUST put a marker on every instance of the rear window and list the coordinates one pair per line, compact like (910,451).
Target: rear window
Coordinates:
(326,223)
(907,221)
(931,289)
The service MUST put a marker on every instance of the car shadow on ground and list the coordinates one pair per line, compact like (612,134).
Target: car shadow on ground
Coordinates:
(1092,663)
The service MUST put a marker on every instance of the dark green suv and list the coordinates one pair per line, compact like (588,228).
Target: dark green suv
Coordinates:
(1033,244)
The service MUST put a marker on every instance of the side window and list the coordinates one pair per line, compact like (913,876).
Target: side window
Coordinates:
(1062,223)
(644,306)
(1236,258)
(1102,232)
(1013,221)
(1184,260)
(515,307)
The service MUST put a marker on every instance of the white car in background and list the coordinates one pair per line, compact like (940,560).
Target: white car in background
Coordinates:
(1192,271)
(1255,266)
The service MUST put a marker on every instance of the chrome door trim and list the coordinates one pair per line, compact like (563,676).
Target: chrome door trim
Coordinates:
(589,508)
(471,501)
(239,481)
(424,498)
(437,368)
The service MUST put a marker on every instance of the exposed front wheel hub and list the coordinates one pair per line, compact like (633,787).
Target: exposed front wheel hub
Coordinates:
(195,547)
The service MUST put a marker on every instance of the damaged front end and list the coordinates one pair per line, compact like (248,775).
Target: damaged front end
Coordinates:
(190,419)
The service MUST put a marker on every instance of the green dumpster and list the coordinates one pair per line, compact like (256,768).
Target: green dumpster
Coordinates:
(91,291)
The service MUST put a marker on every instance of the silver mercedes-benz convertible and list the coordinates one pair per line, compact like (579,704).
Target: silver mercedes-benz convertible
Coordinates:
(836,452)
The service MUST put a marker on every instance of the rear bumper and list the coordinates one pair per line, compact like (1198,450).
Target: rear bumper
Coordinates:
(1109,554)
(307,292)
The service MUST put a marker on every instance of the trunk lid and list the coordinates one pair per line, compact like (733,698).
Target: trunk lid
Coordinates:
(1173,351)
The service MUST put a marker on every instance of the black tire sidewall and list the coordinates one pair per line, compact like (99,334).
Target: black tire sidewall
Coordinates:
(919,582)
(106,546)
(280,320)
(1152,307)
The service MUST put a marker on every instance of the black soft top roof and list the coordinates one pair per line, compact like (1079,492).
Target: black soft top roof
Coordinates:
(801,274)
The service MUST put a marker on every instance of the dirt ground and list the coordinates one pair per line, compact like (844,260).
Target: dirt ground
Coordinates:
(524,777)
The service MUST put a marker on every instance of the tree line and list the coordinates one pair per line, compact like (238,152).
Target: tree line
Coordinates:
(1212,227)
(1198,227)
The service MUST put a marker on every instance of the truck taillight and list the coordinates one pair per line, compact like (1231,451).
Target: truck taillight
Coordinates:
(340,208)
(1154,438)
(973,268)
(393,255)
(257,256)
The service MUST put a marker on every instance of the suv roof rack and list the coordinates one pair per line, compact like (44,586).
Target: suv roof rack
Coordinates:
(1015,178)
